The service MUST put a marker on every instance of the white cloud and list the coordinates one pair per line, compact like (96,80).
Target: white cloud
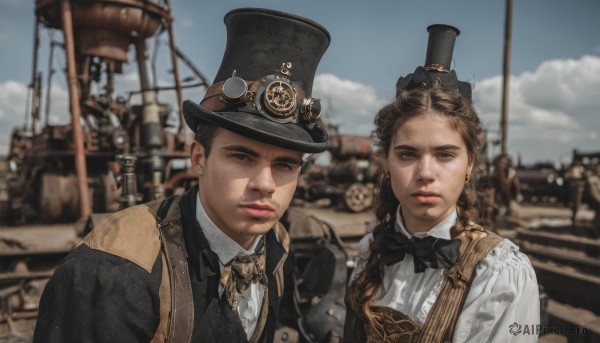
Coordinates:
(13,104)
(349,104)
(552,110)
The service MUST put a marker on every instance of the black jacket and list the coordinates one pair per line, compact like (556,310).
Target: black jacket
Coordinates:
(95,296)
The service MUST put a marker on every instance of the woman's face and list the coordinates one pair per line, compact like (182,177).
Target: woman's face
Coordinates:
(428,163)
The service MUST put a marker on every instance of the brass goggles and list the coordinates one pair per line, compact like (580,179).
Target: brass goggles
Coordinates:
(274,96)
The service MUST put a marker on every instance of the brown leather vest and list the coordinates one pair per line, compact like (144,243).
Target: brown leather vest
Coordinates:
(395,327)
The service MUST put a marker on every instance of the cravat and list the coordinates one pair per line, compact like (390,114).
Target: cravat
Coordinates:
(428,252)
(241,272)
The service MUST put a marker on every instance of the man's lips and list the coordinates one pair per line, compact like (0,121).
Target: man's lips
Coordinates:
(258,210)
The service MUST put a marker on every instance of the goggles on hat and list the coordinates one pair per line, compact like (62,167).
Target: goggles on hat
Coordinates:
(274,96)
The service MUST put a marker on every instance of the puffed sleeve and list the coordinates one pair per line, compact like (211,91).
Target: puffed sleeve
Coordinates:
(94,296)
(503,303)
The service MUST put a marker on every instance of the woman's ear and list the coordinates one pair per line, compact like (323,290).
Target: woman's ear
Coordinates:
(198,158)
(469,171)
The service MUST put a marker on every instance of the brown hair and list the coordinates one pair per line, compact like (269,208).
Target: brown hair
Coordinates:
(205,133)
(411,103)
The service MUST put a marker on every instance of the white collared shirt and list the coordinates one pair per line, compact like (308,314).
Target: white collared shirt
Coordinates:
(226,249)
(504,290)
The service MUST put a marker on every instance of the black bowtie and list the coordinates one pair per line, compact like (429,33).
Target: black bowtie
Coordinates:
(428,252)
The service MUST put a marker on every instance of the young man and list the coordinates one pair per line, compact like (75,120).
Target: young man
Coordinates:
(212,265)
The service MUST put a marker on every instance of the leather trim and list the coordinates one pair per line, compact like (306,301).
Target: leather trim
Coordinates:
(476,244)
(130,234)
(182,303)
(164,294)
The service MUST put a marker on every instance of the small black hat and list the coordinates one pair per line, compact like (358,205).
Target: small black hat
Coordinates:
(436,70)
(263,87)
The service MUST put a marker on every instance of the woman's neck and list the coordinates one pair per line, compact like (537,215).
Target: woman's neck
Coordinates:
(414,225)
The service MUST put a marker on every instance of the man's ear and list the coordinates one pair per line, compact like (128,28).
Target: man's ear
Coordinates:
(198,157)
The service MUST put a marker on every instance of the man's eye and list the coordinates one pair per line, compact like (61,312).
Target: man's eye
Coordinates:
(241,157)
(407,155)
(284,166)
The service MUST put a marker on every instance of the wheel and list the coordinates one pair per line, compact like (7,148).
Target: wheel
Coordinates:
(358,197)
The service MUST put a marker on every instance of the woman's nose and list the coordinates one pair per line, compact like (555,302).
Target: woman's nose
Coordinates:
(426,170)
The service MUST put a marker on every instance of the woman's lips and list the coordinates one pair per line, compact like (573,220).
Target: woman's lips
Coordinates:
(426,197)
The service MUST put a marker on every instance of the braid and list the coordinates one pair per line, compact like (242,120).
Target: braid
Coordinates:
(467,209)
(386,202)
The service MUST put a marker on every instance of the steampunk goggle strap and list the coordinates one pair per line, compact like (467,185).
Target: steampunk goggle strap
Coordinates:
(275,97)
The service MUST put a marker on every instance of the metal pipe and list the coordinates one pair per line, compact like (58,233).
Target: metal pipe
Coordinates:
(49,85)
(191,65)
(35,101)
(34,72)
(80,163)
(175,66)
(129,196)
(506,77)
(150,129)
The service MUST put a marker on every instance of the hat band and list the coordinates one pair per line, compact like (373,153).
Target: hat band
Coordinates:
(273,97)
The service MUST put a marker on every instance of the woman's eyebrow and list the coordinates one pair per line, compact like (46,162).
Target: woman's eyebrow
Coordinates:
(447,147)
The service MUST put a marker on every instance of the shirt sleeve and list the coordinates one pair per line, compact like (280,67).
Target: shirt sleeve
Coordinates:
(503,303)
(94,296)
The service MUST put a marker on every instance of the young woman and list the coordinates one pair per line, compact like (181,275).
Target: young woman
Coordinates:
(428,272)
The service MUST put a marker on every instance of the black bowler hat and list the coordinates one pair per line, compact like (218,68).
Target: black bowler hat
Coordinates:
(436,70)
(263,87)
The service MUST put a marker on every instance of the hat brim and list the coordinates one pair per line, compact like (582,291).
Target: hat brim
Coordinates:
(289,136)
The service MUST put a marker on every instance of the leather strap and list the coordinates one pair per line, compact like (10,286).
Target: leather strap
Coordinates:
(440,323)
(213,100)
(176,301)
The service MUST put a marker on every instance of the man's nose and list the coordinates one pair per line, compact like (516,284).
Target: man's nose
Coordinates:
(263,181)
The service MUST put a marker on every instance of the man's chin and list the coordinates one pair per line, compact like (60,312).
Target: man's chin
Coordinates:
(258,228)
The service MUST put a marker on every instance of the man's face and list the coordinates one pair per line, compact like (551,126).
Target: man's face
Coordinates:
(245,185)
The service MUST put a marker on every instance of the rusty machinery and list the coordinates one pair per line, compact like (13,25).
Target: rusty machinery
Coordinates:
(66,172)
(111,149)
(350,179)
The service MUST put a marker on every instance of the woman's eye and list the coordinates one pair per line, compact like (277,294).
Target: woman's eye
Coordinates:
(445,155)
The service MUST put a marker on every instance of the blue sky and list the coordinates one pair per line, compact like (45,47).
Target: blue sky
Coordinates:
(555,61)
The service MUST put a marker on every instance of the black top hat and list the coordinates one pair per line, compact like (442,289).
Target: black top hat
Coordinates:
(263,87)
(436,71)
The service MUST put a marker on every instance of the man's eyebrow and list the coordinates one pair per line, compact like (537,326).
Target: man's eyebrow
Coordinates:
(240,148)
(246,150)
(405,147)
